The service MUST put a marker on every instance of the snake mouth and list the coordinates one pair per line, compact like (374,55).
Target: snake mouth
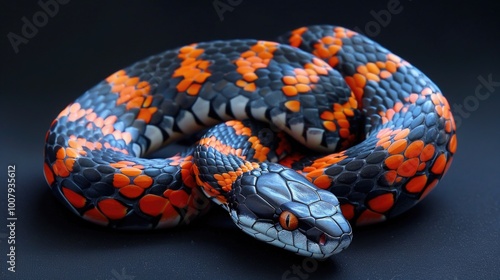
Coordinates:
(322,239)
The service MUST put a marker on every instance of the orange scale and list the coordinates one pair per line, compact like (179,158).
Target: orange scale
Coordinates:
(369,217)
(178,198)
(372,77)
(289,90)
(397,146)
(49,176)
(372,68)
(143,181)
(302,88)
(343,123)
(416,184)
(452,145)
(409,167)
(323,182)
(390,176)
(61,153)
(439,164)
(414,149)
(344,133)
(333,61)
(394,161)
(60,169)
(95,216)
(402,134)
(362,69)
(120,180)
(169,214)
(112,209)
(131,191)
(421,166)
(381,203)
(427,152)
(347,210)
(75,199)
(152,205)
(329,125)
(69,162)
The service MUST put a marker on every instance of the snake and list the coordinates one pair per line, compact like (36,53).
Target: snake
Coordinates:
(300,139)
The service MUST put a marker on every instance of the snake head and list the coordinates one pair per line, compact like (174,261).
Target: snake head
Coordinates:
(279,206)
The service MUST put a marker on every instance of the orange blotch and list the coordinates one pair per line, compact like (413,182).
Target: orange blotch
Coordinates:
(394,161)
(131,171)
(416,184)
(390,176)
(60,168)
(112,209)
(409,167)
(397,146)
(152,205)
(296,37)
(439,164)
(347,210)
(75,199)
(143,181)
(47,172)
(131,191)
(293,105)
(452,146)
(414,149)
(369,217)
(381,203)
(120,180)
(95,216)
(178,198)
(322,182)
(427,152)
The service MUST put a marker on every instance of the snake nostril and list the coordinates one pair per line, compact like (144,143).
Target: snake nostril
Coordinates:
(322,239)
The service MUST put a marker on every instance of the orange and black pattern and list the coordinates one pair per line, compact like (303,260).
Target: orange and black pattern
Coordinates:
(387,127)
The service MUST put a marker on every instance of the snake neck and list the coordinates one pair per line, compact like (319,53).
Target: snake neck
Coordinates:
(232,149)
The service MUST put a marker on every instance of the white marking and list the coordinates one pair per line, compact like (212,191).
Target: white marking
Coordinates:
(188,124)
(297,129)
(280,121)
(259,113)
(314,137)
(238,105)
(221,112)
(154,135)
(201,108)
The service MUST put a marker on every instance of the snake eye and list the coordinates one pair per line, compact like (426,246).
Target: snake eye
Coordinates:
(288,220)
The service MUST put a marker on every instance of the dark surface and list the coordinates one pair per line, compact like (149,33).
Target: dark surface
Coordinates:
(452,234)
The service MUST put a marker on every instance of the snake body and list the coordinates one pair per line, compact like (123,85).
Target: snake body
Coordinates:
(382,131)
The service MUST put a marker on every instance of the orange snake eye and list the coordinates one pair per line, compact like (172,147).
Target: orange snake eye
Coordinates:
(288,220)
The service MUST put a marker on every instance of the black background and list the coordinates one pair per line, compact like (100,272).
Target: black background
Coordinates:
(452,234)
